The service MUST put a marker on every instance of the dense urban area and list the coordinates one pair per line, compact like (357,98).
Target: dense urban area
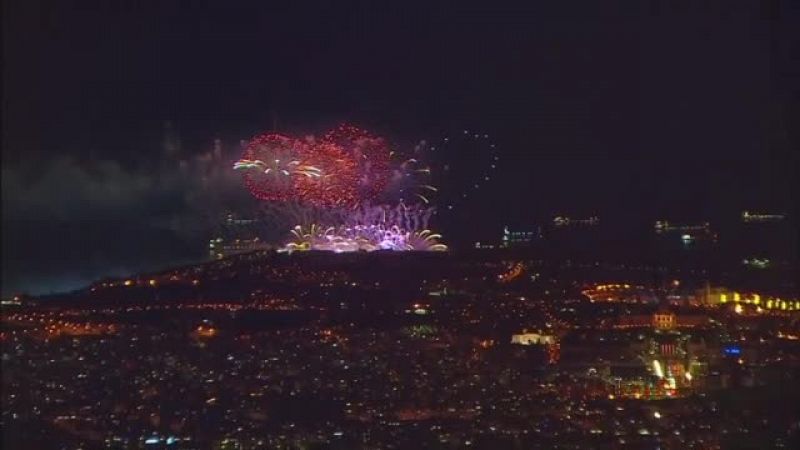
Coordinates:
(487,348)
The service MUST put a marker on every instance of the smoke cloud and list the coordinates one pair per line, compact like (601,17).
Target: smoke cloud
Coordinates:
(67,222)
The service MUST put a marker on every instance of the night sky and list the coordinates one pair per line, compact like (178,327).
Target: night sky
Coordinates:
(634,112)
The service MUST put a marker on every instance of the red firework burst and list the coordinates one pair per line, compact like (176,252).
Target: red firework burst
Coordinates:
(269,160)
(280,168)
(371,155)
(337,185)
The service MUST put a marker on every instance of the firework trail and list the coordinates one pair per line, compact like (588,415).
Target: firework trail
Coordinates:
(461,163)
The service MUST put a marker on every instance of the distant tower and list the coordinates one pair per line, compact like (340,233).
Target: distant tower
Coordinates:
(171,143)
(217,149)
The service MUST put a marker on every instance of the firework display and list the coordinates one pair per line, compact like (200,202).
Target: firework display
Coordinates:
(362,238)
(462,162)
(370,155)
(412,218)
(369,228)
(280,168)
(327,186)
(411,180)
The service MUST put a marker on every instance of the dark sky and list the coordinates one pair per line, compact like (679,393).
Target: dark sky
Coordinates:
(638,110)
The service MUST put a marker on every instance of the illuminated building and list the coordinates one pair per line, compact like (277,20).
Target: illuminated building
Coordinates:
(15,301)
(751,301)
(513,273)
(552,347)
(688,234)
(563,221)
(532,339)
(519,238)
(673,362)
(673,368)
(205,331)
(619,293)
(662,320)
(756,263)
(663,226)
(234,235)
(232,219)
(219,248)
(419,309)
(766,240)
(710,296)
(749,217)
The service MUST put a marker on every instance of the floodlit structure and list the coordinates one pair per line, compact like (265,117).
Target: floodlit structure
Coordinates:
(533,339)
(749,217)
(518,238)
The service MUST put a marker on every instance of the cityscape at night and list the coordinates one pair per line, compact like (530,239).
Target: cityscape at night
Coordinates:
(335,225)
